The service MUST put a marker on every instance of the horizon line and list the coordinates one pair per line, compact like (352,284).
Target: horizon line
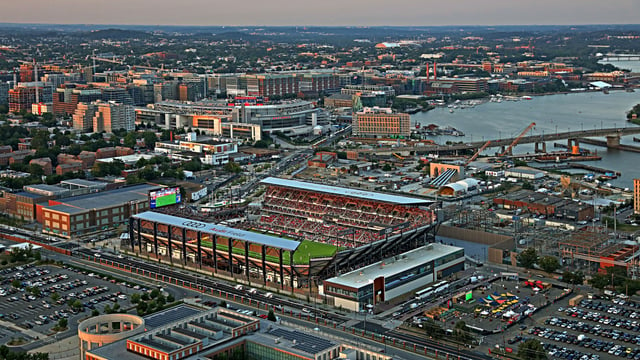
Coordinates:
(316,25)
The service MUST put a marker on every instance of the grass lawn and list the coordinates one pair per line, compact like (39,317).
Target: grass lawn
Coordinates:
(307,250)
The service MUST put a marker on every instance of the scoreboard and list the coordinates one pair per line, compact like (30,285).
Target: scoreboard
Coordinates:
(164,197)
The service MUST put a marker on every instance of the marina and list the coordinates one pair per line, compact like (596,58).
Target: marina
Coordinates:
(552,114)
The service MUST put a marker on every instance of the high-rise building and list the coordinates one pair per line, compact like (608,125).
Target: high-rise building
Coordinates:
(67,97)
(83,116)
(381,122)
(24,95)
(110,116)
(4,93)
(267,85)
(99,116)
(119,95)
(318,82)
(636,196)
(26,73)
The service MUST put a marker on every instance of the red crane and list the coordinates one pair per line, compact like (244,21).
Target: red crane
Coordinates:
(477,153)
(515,141)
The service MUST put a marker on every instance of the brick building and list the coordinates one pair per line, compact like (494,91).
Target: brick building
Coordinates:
(44,163)
(89,213)
(381,122)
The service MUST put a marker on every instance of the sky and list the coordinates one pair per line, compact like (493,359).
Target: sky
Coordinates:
(322,12)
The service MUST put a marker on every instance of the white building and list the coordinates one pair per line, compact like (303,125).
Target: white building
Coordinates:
(528,174)
(394,277)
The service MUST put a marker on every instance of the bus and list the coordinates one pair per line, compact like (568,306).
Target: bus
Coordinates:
(424,293)
(440,287)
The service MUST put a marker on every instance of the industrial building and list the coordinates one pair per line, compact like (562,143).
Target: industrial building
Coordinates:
(393,277)
(545,204)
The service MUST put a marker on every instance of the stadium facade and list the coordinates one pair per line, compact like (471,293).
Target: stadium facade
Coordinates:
(329,231)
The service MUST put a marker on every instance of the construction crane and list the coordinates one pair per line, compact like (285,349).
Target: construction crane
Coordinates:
(515,141)
(482,148)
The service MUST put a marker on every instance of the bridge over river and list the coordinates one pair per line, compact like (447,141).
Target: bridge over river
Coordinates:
(612,135)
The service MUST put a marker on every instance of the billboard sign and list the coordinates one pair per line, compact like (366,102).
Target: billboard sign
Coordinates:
(164,197)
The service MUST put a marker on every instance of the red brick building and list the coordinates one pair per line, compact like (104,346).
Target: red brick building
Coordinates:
(44,163)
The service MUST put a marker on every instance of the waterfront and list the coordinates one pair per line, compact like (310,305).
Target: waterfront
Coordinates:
(633,66)
(552,113)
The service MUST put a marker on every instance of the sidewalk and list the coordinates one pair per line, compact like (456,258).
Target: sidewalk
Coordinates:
(31,333)
(67,348)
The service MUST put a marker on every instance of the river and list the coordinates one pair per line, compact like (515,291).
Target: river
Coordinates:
(551,113)
(633,66)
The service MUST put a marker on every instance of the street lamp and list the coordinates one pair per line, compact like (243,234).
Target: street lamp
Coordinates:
(368,308)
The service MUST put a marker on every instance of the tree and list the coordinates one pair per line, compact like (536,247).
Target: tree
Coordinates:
(432,329)
(141,308)
(95,312)
(599,281)
(55,297)
(62,323)
(460,332)
(48,119)
(271,316)
(135,298)
(154,293)
(573,278)
(617,275)
(150,139)
(170,298)
(16,283)
(144,296)
(531,350)
(549,263)
(232,167)
(528,258)
(130,140)
(40,139)
(36,170)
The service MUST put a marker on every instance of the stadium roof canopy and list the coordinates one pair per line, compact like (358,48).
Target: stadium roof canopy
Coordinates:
(190,224)
(335,190)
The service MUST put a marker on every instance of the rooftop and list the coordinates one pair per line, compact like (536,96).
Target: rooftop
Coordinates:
(299,341)
(110,198)
(391,266)
(335,190)
(83,183)
(255,238)
(46,188)
(66,209)
(168,316)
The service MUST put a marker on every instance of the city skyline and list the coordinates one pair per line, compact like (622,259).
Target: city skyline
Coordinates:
(328,13)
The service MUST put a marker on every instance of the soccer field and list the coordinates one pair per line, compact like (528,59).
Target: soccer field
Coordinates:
(307,250)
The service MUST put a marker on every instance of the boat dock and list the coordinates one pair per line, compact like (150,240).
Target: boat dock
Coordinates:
(562,166)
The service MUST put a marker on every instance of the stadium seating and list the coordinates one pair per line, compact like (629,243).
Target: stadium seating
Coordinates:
(323,217)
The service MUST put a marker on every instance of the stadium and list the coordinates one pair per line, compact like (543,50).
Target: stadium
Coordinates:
(304,232)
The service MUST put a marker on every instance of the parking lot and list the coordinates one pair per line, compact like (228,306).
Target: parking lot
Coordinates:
(36,297)
(592,329)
